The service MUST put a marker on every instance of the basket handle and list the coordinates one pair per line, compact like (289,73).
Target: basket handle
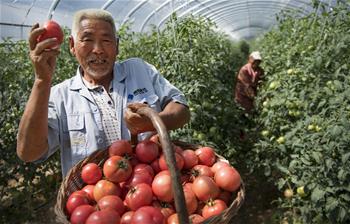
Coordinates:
(164,138)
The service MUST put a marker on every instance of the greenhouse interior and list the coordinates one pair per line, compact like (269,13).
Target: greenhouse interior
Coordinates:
(175,111)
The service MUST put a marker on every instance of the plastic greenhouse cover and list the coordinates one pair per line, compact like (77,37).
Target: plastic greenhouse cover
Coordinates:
(238,18)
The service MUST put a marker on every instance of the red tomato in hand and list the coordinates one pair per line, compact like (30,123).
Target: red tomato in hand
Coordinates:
(206,156)
(91,173)
(149,215)
(120,148)
(81,213)
(228,179)
(138,196)
(146,151)
(117,169)
(106,216)
(213,208)
(205,188)
(52,30)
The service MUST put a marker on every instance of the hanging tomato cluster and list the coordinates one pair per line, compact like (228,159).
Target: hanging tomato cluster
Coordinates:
(135,186)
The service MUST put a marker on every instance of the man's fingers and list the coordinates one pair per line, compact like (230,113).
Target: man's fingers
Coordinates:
(34,34)
(46,45)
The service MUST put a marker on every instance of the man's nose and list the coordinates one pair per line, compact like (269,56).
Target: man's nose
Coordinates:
(98,47)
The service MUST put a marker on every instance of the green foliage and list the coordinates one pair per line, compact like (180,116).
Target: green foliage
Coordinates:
(24,188)
(305,114)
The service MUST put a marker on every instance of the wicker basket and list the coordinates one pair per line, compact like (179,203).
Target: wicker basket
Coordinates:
(73,181)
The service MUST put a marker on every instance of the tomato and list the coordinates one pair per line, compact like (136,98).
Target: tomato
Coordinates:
(140,177)
(213,208)
(218,165)
(147,151)
(206,156)
(205,188)
(190,158)
(201,170)
(165,208)
(74,201)
(144,167)
(106,216)
(196,219)
(81,213)
(190,198)
(226,196)
(89,189)
(127,217)
(179,161)
(288,193)
(91,173)
(138,196)
(105,187)
(161,186)
(52,30)
(149,215)
(301,191)
(120,148)
(111,202)
(155,166)
(117,169)
(173,219)
(228,179)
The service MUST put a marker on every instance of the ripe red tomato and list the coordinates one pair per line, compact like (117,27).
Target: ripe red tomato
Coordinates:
(138,196)
(190,158)
(127,217)
(179,161)
(226,196)
(52,29)
(105,187)
(173,219)
(117,169)
(228,179)
(201,170)
(213,208)
(91,173)
(106,216)
(218,165)
(89,189)
(120,148)
(165,208)
(75,200)
(161,186)
(206,156)
(111,202)
(141,167)
(140,177)
(147,151)
(149,215)
(205,188)
(155,166)
(81,213)
(196,219)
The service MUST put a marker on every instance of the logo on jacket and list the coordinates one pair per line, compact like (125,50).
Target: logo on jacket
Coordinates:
(140,91)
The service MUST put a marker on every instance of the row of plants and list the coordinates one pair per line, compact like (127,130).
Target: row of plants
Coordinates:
(303,115)
(197,60)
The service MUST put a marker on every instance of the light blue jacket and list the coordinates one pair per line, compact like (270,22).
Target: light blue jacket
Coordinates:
(75,124)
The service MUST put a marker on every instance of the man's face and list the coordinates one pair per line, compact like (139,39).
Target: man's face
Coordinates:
(255,64)
(95,48)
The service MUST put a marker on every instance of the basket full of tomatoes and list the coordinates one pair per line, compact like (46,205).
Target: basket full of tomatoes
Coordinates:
(155,181)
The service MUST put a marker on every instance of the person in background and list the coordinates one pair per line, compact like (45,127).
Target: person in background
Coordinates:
(247,82)
(85,113)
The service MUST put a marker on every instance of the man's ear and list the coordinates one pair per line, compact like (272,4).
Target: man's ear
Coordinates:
(71,45)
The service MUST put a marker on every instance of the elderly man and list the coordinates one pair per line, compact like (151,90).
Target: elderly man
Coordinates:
(85,113)
(247,82)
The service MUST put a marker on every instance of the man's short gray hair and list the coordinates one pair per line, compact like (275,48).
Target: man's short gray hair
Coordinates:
(91,14)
